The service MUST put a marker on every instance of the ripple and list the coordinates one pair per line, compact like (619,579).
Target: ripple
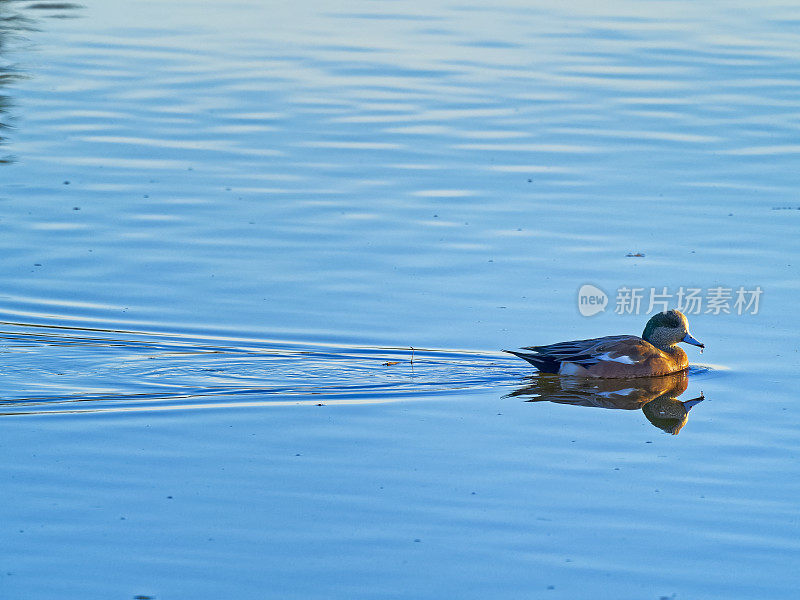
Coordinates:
(443,193)
(782,149)
(553,148)
(125,370)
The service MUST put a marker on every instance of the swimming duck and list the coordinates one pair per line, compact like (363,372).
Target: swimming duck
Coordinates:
(623,356)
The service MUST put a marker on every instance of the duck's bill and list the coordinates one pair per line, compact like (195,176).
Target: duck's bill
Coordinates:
(690,340)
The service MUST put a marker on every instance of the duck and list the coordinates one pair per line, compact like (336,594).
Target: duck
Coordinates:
(619,356)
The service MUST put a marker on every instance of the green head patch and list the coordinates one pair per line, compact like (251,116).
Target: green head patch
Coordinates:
(669,319)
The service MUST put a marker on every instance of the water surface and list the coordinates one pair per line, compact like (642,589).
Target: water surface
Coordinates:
(228,229)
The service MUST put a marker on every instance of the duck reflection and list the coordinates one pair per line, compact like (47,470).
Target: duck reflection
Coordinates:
(13,20)
(657,397)
(7,21)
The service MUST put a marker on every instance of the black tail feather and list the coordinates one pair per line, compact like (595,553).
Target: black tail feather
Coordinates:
(546,364)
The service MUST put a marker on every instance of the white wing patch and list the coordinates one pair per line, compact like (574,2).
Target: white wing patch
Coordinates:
(625,392)
(620,359)
(568,368)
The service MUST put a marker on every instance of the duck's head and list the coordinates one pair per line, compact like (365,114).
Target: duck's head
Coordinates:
(665,329)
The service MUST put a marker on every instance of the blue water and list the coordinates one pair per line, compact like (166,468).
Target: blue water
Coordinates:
(260,262)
